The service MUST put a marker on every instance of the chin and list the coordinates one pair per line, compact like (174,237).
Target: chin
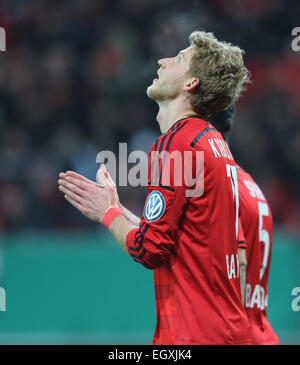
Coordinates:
(152,92)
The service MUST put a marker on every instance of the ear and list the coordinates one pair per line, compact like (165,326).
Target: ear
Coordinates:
(191,85)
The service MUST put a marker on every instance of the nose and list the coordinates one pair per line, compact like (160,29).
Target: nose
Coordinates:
(161,62)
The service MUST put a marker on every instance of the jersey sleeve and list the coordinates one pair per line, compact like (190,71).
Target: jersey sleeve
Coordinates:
(241,238)
(157,234)
(155,238)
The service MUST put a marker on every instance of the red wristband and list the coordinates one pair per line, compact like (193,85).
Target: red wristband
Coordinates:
(109,216)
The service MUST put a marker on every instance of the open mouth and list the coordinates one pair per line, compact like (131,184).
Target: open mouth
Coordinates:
(157,78)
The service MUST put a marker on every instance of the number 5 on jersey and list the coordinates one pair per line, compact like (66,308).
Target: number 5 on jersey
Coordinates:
(263,235)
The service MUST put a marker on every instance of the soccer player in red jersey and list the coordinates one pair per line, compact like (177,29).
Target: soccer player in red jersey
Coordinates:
(257,225)
(189,227)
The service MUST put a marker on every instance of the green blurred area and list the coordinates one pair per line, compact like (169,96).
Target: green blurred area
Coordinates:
(81,288)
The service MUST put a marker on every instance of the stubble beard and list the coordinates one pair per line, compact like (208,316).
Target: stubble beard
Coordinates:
(159,91)
(154,92)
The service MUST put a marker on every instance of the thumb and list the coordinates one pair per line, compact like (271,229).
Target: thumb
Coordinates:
(100,177)
(104,170)
(107,175)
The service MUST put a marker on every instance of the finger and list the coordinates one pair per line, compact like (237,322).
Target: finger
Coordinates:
(74,203)
(70,188)
(77,182)
(72,195)
(79,177)
(103,168)
(101,179)
(107,175)
(112,183)
(104,171)
(62,175)
(104,177)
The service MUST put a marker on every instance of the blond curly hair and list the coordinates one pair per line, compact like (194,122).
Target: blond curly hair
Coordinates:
(221,71)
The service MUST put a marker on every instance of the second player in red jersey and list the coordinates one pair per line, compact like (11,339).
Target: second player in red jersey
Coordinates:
(257,226)
(257,223)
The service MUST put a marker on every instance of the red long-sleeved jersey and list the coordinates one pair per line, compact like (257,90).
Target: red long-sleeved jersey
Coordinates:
(190,238)
(257,224)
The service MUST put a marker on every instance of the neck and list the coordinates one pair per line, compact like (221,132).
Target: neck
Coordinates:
(171,111)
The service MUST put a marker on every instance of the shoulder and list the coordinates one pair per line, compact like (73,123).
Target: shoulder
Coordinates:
(245,180)
(242,174)
(248,184)
(186,134)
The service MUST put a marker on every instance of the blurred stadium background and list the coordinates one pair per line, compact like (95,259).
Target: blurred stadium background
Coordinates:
(72,83)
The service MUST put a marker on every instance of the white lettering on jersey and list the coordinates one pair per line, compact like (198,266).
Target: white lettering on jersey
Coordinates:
(228,151)
(233,266)
(222,150)
(254,190)
(215,151)
(256,298)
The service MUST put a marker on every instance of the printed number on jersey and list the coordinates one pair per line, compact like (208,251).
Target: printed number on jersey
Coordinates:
(231,173)
(263,236)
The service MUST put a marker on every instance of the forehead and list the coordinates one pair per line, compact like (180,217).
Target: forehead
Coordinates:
(187,52)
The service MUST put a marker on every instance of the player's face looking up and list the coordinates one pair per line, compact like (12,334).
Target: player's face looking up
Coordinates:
(172,78)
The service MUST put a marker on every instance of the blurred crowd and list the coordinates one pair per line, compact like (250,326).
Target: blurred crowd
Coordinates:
(73,81)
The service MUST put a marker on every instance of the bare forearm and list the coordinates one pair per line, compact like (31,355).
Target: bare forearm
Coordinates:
(132,218)
(243,282)
(243,271)
(119,229)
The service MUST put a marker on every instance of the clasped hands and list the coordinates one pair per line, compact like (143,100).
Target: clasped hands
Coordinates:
(90,198)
